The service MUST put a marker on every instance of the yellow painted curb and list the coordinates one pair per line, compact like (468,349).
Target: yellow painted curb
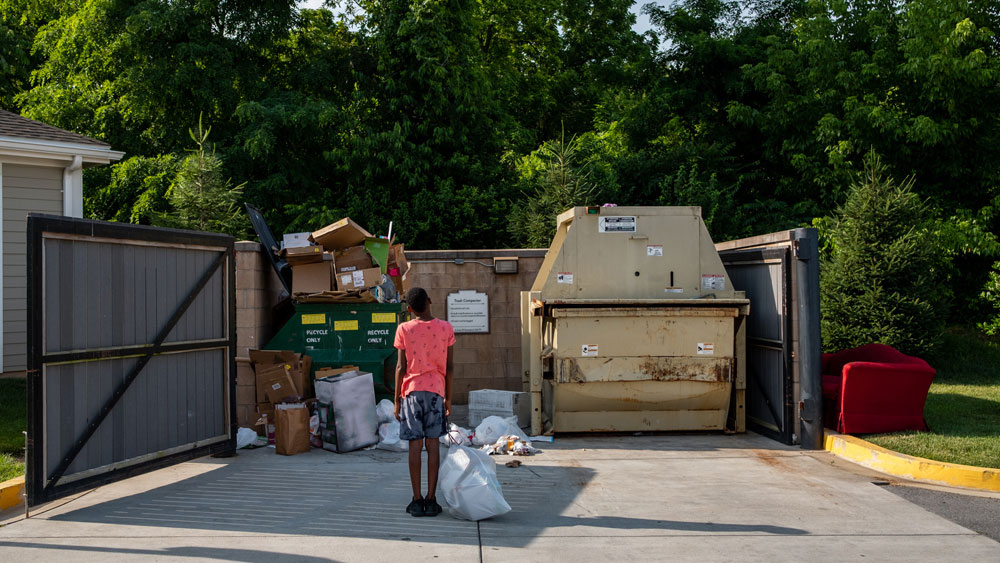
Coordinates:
(908,467)
(11,492)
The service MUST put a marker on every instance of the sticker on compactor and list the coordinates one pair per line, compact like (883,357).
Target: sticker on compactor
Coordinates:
(564,277)
(383,317)
(345,325)
(713,282)
(654,250)
(622,224)
(589,350)
(673,290)
(706,349)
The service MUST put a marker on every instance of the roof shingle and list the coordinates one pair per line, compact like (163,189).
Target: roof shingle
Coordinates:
(13,125)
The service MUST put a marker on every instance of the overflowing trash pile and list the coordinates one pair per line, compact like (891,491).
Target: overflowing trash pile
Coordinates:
(344,263)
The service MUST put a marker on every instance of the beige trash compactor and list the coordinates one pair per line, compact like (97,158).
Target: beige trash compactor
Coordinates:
(633,325)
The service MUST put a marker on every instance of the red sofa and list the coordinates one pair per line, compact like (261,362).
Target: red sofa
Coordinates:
(874,388)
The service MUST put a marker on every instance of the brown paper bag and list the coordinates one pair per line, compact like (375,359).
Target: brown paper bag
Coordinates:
(291,429)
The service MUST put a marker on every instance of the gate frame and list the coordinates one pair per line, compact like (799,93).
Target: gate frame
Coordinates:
(800,286)
(36,489)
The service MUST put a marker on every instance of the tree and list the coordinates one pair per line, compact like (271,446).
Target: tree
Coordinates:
(885,279)
(202,199)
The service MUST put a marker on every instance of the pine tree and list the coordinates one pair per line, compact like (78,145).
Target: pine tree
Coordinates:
(885,279)
(201,198)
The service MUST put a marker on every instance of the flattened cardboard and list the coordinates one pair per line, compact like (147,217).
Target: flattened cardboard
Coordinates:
(342,234)
(352,259)
(303,255)
(361,279)
(312,278)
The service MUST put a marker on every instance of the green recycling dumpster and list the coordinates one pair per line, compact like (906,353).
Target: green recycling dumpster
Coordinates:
(341,334)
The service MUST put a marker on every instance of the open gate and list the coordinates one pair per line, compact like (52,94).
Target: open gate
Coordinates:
(131,351)
(779,273)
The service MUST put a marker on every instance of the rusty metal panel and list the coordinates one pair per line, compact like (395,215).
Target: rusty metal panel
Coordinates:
(644,368)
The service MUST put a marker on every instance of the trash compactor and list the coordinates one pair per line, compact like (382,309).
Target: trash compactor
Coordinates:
(633,324)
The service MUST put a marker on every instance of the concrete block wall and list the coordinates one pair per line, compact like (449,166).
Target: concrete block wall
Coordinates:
(257,292)
(482,361)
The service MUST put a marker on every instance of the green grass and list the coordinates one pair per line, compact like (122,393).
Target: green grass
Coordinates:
(13,421)
(963,405)
(10,467)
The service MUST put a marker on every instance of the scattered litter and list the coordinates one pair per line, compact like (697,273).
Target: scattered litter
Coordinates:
(245,437)
(388,437)
(493,427)
(468,485)
(456,435)
(513,463)
(542,438)
(510,445)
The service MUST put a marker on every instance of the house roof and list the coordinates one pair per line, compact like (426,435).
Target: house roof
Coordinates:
(15,126)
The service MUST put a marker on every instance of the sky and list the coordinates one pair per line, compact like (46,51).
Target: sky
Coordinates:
(641,21)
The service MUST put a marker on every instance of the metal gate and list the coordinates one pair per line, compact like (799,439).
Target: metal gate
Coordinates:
(131,351)
(779,273)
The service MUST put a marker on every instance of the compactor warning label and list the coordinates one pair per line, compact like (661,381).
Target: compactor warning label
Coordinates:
(654,250)
(564,277)
(713,282)
(706,349)
(616,224)
(589,350)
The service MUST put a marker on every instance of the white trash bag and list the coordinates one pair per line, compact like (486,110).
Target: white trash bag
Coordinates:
(385,411)
(492,428)
(388,437)
(245,437)
(468,485)
(456,436)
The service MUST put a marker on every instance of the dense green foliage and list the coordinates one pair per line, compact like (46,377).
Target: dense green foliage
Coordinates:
(442,115)
(882,279)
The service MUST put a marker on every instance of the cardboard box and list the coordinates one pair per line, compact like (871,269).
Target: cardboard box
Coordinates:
(312,278)
(352,259)
(360,279)
(295,240)
(272,357)
(340,235)
(303,255)
(276,383)
(266,409)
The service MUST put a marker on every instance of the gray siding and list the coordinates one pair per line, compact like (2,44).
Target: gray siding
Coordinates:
(25,188)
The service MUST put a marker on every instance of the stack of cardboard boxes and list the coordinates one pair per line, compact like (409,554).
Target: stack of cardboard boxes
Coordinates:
(342,257)
(281,376)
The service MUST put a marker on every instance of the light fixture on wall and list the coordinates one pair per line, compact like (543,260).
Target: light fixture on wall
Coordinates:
(505,265)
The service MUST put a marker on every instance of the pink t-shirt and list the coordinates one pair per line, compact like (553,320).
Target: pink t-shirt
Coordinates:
(426,345)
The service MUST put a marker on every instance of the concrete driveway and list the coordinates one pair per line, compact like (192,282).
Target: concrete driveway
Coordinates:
(675,497)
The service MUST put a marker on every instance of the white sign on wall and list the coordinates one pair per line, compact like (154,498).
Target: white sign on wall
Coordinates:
(469,311)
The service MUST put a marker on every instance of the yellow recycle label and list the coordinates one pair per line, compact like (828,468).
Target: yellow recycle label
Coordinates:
(314,319)
(345,325)
(383,317)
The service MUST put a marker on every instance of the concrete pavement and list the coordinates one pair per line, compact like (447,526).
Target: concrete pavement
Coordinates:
(699,497)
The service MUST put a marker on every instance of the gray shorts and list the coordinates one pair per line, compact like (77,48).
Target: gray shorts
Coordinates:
(421,416)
